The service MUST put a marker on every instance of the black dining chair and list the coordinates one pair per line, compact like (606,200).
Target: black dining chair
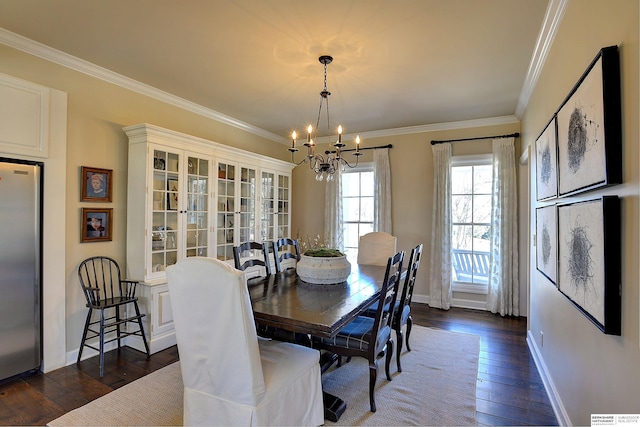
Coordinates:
(247,250)
(285,249)
(107,292)
(370,337)
(402,312)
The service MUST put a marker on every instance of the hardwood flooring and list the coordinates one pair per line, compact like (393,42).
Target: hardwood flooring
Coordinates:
(509,389)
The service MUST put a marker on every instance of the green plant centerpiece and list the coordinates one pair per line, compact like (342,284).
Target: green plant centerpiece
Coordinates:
(322,265)
(323,252)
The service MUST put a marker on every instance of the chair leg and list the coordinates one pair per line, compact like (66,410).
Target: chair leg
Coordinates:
(409,325)
(101,343)
(118,326)
(389,357)
(399,350)
(84,334)
(373,375)
(144,337)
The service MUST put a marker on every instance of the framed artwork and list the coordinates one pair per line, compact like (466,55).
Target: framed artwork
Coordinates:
(172,194)
(96,184)
(546,162)
(96,225)
(590,129)
(547,242)
(589,259)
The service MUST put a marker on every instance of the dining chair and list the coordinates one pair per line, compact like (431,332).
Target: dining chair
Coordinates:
(285,249)
(370,337)
(402,312)
(376,247)
(105,291)
(244,257)
(230,376)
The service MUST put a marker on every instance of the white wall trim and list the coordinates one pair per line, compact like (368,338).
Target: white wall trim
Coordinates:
(40,50)
(550,25)
(455,302)
(556,403)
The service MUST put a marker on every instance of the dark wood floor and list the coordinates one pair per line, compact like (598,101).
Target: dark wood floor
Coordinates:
(509,389)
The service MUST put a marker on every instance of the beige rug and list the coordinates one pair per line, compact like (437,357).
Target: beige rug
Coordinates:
(437,387)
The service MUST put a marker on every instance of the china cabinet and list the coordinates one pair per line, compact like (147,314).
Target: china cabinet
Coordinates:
(187,196)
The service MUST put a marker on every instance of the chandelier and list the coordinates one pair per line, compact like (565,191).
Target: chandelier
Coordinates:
(325,166)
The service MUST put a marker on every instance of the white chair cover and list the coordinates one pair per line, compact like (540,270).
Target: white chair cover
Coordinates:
(375,248)
(230,377)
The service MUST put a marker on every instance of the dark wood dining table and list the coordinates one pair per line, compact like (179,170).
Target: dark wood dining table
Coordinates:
(284,301)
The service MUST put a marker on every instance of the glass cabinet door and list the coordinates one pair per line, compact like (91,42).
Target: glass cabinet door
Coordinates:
(267,228)
(197,211)
(166,193)
(226,209)
(283,207)
(247,212)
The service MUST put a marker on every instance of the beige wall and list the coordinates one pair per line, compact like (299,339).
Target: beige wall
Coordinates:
(97,112)
(411,165)
(591,372)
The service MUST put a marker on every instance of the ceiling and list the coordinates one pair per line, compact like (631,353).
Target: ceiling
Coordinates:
(397,64)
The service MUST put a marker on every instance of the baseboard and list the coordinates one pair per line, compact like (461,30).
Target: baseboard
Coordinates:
(556,403)
(455,302)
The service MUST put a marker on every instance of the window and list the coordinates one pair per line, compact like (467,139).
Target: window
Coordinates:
(358,196)
(471,183)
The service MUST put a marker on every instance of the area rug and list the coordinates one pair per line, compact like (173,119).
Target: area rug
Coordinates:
(437,387)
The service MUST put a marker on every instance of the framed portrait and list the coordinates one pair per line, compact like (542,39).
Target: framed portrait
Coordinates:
(547,242)
(547,162)
(589,259)
(96,225)
(96,184)
(590,128)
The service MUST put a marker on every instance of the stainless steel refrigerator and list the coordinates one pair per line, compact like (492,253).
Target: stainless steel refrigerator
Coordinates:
(20,267)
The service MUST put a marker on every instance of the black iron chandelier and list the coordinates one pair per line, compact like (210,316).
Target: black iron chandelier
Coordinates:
(325,166)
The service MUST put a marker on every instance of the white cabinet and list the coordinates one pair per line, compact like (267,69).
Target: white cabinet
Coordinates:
(191,197)
(168,205)
(237,207)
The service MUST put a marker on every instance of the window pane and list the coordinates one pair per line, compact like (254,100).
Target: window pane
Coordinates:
(366,209)
(367,184)
(350,184)
(482,209)
(461,208)
(482,179)
(461,179)
(351,235)
(365,228)
(481,238)
(351,209)
(461,237)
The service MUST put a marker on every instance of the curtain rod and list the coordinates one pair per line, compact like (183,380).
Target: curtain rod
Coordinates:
(515,135)
(369,148)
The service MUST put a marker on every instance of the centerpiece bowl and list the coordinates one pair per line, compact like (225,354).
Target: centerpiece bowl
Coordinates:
(323,267)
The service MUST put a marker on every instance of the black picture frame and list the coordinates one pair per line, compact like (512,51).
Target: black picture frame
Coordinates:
(590,128)
(96,225)
(589,250)
(96,184)
(547,162)
(547,242)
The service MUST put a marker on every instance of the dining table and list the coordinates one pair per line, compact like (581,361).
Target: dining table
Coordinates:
(285,302)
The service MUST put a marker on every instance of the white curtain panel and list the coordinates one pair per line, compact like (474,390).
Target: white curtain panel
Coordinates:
(440,273)
(333,234)
(503,294)
(382,174)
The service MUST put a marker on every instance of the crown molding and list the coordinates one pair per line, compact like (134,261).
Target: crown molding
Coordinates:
(40,50)
(553,18)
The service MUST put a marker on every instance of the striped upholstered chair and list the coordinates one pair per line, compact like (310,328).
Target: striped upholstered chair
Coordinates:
(370,337)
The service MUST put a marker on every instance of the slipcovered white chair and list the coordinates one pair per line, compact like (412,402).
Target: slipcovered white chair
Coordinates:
(230,376)
(376,247)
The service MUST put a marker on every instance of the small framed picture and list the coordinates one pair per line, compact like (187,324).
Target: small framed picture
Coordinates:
(96,184)
(96,225)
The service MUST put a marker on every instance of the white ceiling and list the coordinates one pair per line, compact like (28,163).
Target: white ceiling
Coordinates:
(397,63)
